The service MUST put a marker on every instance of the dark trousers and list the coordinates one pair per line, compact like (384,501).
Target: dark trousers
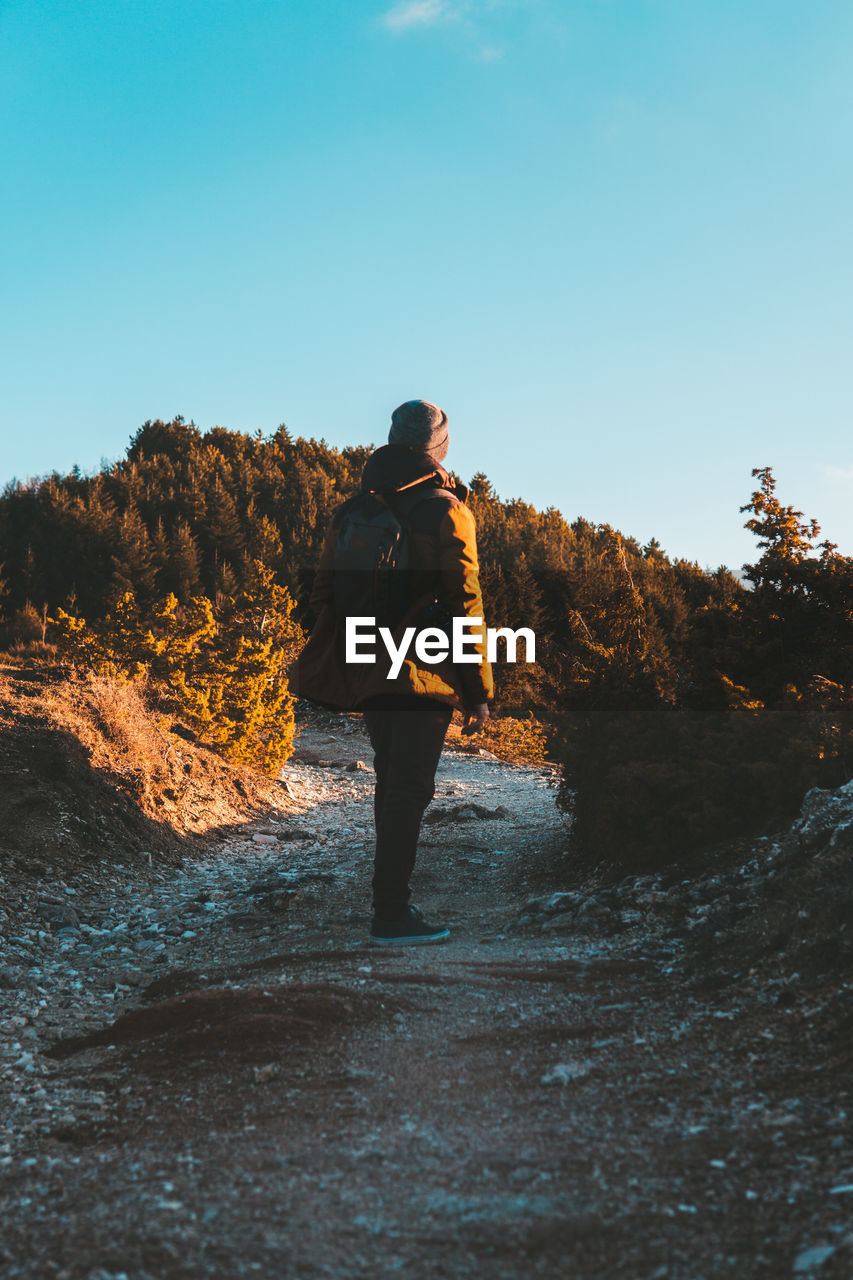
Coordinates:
(407,734)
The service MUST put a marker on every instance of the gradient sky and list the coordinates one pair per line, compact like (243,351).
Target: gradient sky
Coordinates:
(612,238)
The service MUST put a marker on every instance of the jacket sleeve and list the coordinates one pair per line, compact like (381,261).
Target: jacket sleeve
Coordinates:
(460,590)
(322,592)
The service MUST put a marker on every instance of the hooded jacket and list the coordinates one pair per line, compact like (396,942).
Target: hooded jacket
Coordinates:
(442,565)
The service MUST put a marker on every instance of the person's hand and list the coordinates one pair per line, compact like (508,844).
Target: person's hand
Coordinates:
(475,718)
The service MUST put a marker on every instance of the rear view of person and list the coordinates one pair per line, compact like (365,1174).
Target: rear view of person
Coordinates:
(407,714)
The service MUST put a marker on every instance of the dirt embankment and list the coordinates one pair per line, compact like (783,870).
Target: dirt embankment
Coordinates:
(88,769)
(209,1072)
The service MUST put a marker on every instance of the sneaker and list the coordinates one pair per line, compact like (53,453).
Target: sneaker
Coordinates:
(410,930)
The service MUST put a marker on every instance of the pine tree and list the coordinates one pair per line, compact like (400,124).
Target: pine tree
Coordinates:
(223,532)
(97,524)
(133,563)
(183,576)
(225,584)
(265,541)
(176,439)
(160,549)
(799,615)
(787,542)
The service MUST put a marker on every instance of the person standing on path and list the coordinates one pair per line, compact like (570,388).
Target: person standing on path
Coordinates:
(407,713)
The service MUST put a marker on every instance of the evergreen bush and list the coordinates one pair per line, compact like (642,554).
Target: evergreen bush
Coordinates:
(220,669)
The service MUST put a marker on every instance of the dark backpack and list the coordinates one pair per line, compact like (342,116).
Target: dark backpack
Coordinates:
(371,563)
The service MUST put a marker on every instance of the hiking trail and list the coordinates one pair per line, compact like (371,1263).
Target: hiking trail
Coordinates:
(209,1071)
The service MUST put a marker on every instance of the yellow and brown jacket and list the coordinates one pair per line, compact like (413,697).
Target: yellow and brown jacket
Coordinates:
(442,565)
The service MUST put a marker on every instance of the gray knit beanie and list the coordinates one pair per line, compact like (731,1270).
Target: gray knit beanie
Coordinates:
(421,427)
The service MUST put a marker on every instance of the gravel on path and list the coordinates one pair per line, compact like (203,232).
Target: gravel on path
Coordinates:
(209,1072)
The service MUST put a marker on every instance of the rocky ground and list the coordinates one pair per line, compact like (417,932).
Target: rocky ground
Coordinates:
(208,1071)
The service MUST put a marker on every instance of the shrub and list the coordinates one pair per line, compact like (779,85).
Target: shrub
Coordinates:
(221,669)
(25,626)
(521,741)
(651,786)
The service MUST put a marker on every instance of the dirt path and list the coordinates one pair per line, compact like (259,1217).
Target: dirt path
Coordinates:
(241,1085)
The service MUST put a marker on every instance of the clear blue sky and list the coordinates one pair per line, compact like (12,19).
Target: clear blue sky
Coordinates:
(611,237)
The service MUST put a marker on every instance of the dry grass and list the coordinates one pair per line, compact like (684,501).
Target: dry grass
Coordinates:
(122,736)
(93,737)
(32,651)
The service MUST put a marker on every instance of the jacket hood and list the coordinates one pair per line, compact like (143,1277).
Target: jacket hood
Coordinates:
(394,467)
